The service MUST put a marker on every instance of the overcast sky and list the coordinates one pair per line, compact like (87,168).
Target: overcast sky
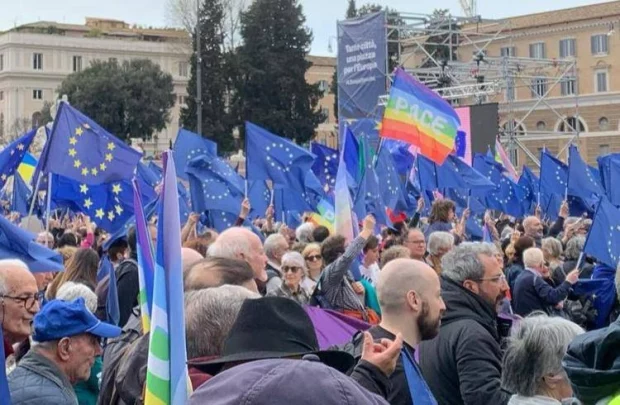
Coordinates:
(321,14)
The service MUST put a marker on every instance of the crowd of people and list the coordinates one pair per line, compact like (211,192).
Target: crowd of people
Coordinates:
(443,319)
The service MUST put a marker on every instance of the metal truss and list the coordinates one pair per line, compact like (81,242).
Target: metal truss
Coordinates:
(466,79)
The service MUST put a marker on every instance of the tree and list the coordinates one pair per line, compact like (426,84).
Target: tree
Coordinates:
(131,100)
(271,88)
(351,9)
(438,45)
(215,120)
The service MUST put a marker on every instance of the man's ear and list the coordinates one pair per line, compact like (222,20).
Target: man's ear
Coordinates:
(471,286)
(414,301)
(63,349)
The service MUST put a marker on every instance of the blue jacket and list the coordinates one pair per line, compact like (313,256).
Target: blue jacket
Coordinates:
(532,293)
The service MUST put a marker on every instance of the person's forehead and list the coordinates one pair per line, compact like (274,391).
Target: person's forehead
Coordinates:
(416,233)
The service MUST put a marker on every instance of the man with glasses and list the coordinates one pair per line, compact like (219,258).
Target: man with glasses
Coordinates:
(19,301)
(463,364)
(416,243)
(68,338)
(532,293)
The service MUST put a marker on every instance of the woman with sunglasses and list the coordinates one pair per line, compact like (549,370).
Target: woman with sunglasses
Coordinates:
(293,271)
(314,265)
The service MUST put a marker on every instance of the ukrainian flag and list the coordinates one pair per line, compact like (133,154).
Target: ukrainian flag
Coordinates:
(27,167)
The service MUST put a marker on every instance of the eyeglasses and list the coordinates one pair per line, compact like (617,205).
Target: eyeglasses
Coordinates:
(28,301)
(416,242)
(497,279)
(314,258)
(292,269)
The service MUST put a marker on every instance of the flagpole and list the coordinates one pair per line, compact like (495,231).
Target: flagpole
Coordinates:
(271,199)
(246,187)
(49,204)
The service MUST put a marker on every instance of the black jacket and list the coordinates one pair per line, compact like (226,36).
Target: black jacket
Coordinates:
(592,363)
(463,364)
(532,293)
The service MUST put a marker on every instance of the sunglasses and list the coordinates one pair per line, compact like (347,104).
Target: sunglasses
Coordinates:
(286,269)
(313,258)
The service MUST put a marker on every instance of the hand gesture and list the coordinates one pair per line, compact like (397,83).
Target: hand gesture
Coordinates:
(383,355)
(515,236)
(270,212)
(564,209)
(538,211)
(245,208)
(573,276)
(369,223)
(420,206)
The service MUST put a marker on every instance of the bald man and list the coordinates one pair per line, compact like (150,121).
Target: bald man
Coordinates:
(409,295)
(533,228)
(217,271)
(242,244)
(188,257)
(20,302)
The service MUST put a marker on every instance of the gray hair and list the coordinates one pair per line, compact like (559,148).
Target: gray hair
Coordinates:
(533,257)
(463,262)
(303,233)
(230,244)
(296,259)
(574,247)
(4,289)
(535,349)
(570,221)
(69,291)
(439,240)
(552,246)
(209,315)
(271,244)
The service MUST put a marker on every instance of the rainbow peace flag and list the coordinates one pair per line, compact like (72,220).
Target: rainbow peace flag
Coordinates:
(325,216)
(502,157)
(417,115)
(27,167)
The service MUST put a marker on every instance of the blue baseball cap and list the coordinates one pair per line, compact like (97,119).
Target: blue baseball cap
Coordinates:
(58,319)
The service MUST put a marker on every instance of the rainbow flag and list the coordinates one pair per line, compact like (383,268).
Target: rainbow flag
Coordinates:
(325,216)
(345,220)
(502,157)
(417,115)
(27,167)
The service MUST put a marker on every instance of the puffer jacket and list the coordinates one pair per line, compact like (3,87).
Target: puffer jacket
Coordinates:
(37,380)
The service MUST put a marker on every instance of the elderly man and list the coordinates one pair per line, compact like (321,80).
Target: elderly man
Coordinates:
(462,365)
(67,337)
(217,271)
(19,295)
(276,246)
(532,293)
(46,239)
(533,227)
(241,243)
(409,295)
(439,243)
(416,243)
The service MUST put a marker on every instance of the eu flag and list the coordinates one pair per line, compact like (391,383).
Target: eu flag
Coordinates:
(109,205)
(270,157)
(390,186)
(368,198)
(403,158)
(609,167)
(79,149)
(325,166)
(453,173)
(214,185)
(603,241)
(507,195)
(581,180)
(187,146)
(529,184)
(12,156)
(259,195)
(21,195)
(553,174)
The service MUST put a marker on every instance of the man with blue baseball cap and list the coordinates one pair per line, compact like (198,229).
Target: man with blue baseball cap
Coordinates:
(67,339)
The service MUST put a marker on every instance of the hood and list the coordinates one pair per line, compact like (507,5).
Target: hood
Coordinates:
(464,304)
(592,363)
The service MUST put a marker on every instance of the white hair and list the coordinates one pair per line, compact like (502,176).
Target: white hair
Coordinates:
(303,233)
(271,244)
(295,258)
(533,257)
(463,262)
(69,291)
(14,263)
(231,244)
(439,240)
(535,349)
(209,315)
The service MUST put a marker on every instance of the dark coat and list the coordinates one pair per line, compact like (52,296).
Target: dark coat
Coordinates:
(463,363)
(533,293)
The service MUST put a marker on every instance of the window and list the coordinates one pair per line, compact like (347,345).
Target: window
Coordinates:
(603,123)
(1,95)
(1,124)
(37,61)
(36,120)
(539,86)
(599,44)
(604,149)
(508,51)
(324,86)
(1,62)
(567,48)
(183,69)
(571,124)
(537,50)
(112,60)
(182,100)
(518,130)
(600,81)
(541,125)
(77,63)
(37,94)
(568,86)
(325,113)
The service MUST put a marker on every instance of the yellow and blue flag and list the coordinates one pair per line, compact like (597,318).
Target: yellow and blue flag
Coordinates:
(13,154)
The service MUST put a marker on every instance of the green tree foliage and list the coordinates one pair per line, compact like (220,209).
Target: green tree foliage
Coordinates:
(271,88)
(216,123)
(439,44)
(351,9)
(131,100)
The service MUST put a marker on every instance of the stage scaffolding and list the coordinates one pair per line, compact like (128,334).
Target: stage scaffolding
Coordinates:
(449,55)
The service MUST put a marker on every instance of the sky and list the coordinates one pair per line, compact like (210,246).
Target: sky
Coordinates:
(321,15)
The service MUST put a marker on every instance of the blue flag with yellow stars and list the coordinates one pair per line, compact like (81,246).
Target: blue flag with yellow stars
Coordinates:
(187,146)
(109,205)
(13,154)
(79,149)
